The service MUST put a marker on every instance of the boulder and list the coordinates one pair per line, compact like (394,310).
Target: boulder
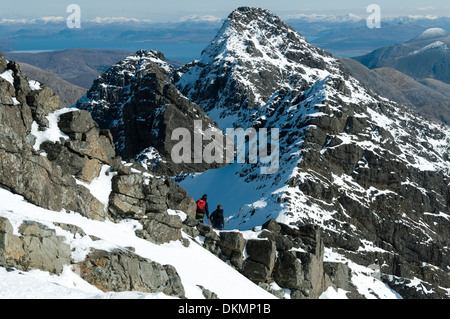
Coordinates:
(123,270)
(76,122)
(262,251)
(134,195)
(161,228)
(37,248)
(338,274)
(288,271)
(272,225)
(232,246)
(255,271)
(232,240)
(43,102)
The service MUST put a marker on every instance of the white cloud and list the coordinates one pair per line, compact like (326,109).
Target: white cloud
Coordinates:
(113,20)
(200,18)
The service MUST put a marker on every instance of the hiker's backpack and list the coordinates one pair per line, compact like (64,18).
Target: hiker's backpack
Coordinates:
(217,218)
(201,204)
(213,216)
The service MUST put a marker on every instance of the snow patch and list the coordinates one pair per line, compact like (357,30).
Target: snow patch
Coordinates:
(52,133)
(34,85)
(332,293)
(8,76)
(101,186)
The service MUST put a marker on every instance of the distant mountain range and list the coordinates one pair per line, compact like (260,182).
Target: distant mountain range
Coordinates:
(425,56)
(77,66)
(183,40)
(349,35)
(415,73)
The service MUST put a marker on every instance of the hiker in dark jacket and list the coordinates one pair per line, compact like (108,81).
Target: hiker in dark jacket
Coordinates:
(202,209)
(217,220)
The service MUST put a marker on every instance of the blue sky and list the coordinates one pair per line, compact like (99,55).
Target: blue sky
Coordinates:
(170,10)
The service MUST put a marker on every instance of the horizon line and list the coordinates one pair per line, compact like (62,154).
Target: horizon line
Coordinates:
(208,18)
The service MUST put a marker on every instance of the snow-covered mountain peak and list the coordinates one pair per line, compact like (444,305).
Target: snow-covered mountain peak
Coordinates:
(253,52)
(137,63)
(433,33)
(435,46)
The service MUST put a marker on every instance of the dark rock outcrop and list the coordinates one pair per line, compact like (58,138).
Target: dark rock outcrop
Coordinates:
(137,102)
(290,257)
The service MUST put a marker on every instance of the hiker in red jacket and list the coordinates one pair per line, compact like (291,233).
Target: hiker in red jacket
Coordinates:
(202,209)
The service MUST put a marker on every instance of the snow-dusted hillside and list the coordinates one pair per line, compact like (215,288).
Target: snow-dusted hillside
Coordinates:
(368,171)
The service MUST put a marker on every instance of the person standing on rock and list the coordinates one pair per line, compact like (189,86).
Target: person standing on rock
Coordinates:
(217,220)
(202,209)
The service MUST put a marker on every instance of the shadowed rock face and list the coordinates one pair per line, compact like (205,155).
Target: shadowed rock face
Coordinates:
(137,102)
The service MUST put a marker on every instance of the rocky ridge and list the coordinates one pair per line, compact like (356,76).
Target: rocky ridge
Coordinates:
(137,102)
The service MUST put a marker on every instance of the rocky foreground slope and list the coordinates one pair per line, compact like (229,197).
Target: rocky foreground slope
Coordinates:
(53,158)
